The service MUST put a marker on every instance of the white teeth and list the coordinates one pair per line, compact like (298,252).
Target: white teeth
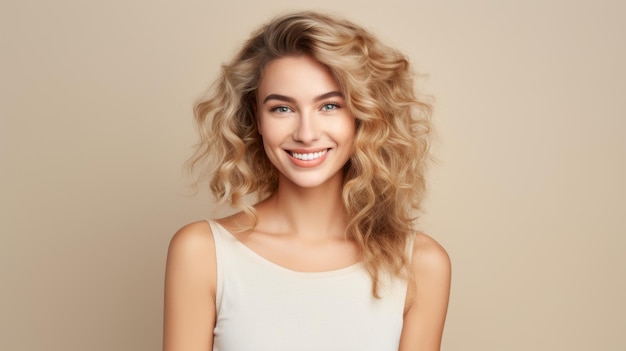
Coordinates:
(309,156)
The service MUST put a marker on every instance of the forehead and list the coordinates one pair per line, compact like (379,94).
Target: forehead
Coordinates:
(296,76)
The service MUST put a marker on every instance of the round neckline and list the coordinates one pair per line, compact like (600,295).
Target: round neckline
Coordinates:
(257,257)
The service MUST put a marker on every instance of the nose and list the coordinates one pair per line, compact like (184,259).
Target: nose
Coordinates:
(307,130)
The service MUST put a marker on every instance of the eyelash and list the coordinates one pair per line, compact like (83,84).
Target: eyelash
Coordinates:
(277,108)
(334,105)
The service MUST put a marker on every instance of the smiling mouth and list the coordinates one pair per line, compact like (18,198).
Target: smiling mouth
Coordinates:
(308,156)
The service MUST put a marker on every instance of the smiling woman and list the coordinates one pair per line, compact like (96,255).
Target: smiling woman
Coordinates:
(321,121)
(307,132)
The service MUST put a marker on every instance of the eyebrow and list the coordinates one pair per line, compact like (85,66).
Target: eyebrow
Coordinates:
(293,101)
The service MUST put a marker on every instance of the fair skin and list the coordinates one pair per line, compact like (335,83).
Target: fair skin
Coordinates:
(307,134)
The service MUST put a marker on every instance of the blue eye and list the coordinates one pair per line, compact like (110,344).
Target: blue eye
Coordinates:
(330,107)
(281,109)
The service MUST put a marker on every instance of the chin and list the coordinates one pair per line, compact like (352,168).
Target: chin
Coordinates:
(314,182)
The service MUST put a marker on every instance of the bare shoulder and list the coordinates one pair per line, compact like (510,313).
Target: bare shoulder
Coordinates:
(429,255)
(193,237)
(427,297)
(190,286)
(191,254)
(431,270)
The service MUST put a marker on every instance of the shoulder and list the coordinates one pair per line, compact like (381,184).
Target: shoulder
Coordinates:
(190,288)
(431,270)
(428,255)
(427,296)
(191,253)
(193,239)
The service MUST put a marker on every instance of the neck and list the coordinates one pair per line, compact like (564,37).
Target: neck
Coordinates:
(311,213)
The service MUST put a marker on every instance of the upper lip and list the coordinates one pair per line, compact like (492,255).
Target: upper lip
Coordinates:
(307,151)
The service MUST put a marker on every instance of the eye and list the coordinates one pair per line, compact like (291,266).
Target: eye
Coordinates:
(281,109)
(330,106)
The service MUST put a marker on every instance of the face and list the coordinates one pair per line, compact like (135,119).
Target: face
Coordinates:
(307,131)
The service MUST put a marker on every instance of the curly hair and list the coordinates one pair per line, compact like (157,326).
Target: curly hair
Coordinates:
(384,180)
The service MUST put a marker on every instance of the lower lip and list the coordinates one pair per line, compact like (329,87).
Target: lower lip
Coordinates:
(308,163)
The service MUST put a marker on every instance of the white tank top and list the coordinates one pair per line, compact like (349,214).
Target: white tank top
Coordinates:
(262,306)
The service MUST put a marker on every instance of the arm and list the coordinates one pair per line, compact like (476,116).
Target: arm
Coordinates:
(190,285)
(427,297)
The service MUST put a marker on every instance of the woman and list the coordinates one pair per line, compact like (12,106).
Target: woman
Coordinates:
(320,120)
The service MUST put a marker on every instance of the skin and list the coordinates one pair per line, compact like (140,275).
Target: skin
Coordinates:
(302,225)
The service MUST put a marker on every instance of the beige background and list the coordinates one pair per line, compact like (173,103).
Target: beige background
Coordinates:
(528,196)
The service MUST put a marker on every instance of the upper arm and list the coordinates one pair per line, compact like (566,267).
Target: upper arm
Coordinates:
(427,297)
(190,285)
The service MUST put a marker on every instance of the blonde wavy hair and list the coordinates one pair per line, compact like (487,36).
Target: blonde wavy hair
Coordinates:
(384,179)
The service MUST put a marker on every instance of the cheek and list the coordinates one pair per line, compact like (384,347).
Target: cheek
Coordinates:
(264,126)
(271,136)
(348,129)
(353,134)
(265,132)
(275,130)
